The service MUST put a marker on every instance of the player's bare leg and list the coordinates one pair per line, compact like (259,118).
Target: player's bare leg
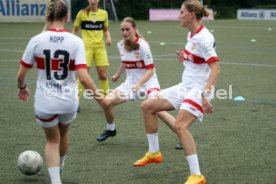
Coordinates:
(150,107)
(52,153)
(64,143)
(183,122)
(114,98)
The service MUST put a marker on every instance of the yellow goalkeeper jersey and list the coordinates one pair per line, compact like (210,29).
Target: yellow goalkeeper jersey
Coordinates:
(92,25)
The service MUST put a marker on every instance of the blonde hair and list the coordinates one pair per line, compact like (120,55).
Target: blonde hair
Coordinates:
(197,7)
(56,10)
(130,45)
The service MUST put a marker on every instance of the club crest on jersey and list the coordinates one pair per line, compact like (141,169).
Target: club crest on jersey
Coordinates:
(137,55)
(139,64)
(94,19)
(193,46)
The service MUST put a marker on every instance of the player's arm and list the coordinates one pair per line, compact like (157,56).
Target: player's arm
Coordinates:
(119,72)
(107,36)
(23,91)
(77,23)
(149,73)
(88,83)
(75,30)
(213,77)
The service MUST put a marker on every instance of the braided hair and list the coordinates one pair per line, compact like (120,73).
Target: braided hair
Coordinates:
(56,10)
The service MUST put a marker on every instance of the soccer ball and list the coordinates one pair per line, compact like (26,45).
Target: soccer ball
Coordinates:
(29,162)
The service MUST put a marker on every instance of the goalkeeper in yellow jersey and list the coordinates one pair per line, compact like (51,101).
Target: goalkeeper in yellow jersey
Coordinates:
(93,23)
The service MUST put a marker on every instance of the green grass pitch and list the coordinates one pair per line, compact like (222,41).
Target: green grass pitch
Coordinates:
(236,144)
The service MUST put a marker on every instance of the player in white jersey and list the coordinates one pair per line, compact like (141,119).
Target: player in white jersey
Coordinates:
(141,80)
(59,55)
(192,96)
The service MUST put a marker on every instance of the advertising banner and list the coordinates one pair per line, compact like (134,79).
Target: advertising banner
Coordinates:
(170,14)
(25,10)
(243,14)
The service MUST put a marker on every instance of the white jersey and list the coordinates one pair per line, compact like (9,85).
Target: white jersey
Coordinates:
(198,53)
(137,62)
(57,54)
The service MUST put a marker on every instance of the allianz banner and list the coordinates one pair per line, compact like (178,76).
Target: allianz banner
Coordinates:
(25,10)
(244,14)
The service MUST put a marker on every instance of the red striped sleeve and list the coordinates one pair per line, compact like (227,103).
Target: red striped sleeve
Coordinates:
(26,65)
(212,59)
(80,66)
(150,66)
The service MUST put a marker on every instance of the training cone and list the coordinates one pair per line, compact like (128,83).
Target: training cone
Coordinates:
(239,98)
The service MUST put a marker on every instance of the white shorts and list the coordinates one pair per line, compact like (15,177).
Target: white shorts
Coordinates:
(184,98)
(144,92)
(51,120)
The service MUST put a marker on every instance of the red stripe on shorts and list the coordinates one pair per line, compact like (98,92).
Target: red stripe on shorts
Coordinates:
(48,119)
(193,103)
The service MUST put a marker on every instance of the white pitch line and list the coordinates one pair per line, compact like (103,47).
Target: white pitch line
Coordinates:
(155,58)
(248,64)
(226,63)
(14,38)
(9,50)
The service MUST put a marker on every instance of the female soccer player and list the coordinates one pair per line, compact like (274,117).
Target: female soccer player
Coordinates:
(141,79)
(192,96)
(58,56)
(93,22)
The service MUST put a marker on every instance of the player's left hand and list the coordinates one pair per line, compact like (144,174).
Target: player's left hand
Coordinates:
(108,41)
(24,94)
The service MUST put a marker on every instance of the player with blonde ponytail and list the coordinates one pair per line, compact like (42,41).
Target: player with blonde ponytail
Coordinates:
(192,97)
(59,55)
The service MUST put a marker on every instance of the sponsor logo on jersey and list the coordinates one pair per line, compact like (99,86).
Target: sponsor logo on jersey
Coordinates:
(89,25)
(139,64)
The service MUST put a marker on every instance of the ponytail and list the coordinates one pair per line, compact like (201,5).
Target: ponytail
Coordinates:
(56,10)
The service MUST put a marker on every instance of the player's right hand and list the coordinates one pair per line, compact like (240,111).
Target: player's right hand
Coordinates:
(179,54)
(24,94)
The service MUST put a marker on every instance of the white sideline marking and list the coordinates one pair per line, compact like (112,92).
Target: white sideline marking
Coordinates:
(225,63)
(8,50)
